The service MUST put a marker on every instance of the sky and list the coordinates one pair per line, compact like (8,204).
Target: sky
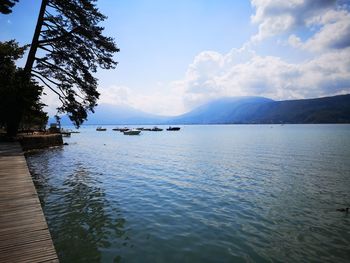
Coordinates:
(177,55)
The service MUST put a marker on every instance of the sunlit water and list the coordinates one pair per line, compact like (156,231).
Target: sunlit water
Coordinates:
(230,193)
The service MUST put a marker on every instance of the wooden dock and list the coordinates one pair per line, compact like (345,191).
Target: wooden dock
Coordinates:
(24,234)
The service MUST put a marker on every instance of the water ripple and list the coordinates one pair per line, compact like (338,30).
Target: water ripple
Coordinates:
(204,194)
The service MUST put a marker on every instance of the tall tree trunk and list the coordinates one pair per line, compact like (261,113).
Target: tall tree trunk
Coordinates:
(14,112)
(12,124)
(35,42)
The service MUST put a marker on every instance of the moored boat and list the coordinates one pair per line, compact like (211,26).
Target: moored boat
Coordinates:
(101,129)
(173,128)
(65,133)
(124,129)
(132,132)
(155,128)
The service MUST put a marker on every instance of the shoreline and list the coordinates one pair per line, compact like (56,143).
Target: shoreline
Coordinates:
(24,233)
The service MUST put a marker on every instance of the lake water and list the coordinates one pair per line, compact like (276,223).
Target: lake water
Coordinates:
(220,193)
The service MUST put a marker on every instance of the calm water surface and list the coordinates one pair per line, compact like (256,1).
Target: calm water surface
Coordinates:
(230,193)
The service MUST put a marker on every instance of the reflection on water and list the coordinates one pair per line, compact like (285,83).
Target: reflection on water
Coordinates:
(83,223)
(231,193)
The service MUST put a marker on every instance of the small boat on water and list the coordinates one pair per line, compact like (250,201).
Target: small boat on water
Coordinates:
(173,128)
(147,129)
(124,129)
(101,129)
(132,132)
(65,133)
(116,129)
(139,129)
(155,128)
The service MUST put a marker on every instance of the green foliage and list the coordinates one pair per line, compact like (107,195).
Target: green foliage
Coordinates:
(10,95)
(74,47)
(6,5)
(33,114)
(19,100)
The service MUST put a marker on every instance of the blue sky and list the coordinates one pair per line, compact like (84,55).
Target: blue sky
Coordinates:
(176,55)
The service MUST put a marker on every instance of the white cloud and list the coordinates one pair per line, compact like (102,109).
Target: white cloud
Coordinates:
(50,99)
(280,16)
(268,76)
(334,32)
(295,41)
(242,72)
(118,95)
(163,103)
(328,21)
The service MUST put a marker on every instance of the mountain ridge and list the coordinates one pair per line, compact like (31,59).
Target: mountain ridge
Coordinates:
(259,110)
(234,110)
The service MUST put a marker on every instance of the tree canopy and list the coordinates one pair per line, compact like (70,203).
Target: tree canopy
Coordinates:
(6,5)
(74,47)
(19,101)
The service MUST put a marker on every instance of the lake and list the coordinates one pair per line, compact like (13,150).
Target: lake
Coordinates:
(216,193)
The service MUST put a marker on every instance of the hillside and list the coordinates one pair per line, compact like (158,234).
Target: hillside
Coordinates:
(260,110)
(245,110)
(224,110)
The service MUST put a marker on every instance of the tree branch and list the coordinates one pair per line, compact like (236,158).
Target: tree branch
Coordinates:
(44,48)
(55,39)
(47,85)
(53,65)
(37,72)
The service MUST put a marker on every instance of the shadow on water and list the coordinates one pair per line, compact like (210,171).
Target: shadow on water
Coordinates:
(83,224)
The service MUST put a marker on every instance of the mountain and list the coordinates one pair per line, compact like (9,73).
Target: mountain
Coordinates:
(224,110)
(261,110)
(112,114)
(334,109)
(245,110)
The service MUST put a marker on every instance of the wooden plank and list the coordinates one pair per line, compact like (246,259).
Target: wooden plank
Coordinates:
(20,238)
(24,234)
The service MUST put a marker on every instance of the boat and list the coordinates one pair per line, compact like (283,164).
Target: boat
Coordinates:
(124,129)
(116,129)
(68,131)
(65,133)
(132,132)
(173,128)
(139,129)
(147,129)
(155,128)
(101,129)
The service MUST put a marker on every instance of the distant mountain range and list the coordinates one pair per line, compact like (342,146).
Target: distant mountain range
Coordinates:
(260,110)
(239,110)
(112,114)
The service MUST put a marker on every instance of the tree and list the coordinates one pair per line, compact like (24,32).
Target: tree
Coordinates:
(68,33)
(19,101)
(6,5)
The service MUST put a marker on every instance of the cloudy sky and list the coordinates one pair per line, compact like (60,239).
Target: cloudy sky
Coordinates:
(176,55)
